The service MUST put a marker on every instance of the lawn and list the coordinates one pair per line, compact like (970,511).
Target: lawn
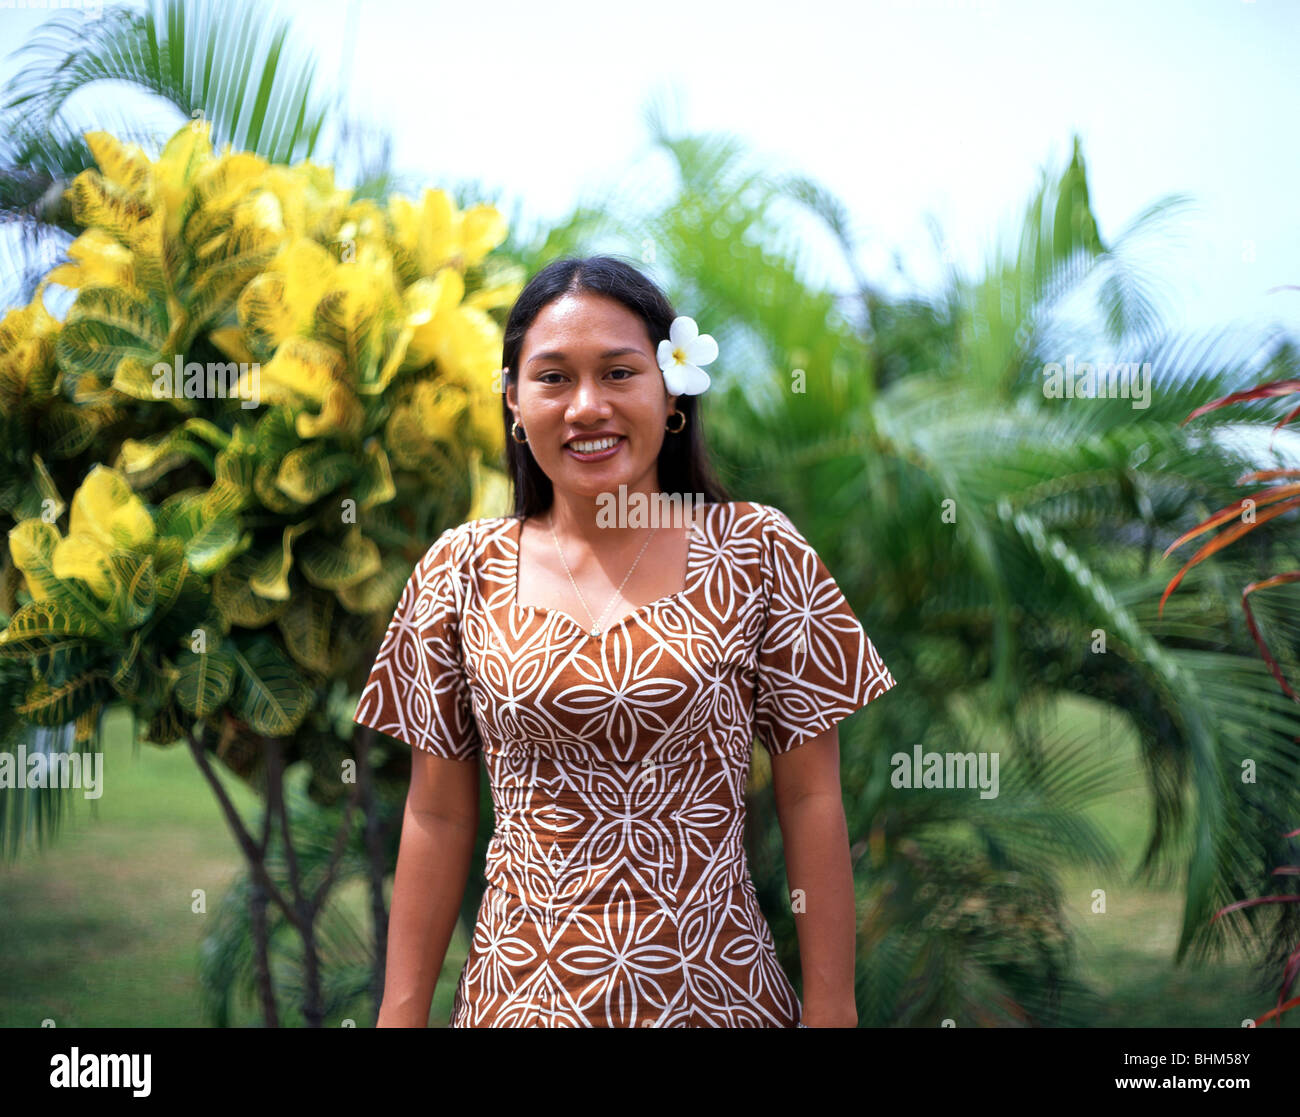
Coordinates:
(99,925)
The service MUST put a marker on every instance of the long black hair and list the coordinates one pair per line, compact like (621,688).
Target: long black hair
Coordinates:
(683,459)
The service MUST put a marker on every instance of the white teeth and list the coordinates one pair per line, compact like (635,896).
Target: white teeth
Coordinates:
(592,447)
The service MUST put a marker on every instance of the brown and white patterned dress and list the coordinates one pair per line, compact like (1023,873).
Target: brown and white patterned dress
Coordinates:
(618,889)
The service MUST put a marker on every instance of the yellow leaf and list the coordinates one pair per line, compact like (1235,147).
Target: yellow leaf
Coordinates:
(32,543)
(482,228)
(468,346)
(438,409)
(140,455)
(32,320)
(186,154)
(312,205)
(429,302)
(487,425)
(134,219)
(85,557)
(230,340)
(503,294)
(272,577)
(342,414)
(126,165)
(431,231)
(106,509)
(281,302)
(301,369)
(99,261)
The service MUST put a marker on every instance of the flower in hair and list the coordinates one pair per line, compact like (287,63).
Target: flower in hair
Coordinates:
(680,355)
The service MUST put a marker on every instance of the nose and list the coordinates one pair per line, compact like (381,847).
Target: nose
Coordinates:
(588,403)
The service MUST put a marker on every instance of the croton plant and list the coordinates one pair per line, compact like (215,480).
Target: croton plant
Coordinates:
(266,398)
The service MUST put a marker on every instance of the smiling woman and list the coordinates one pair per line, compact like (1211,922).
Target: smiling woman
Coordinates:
(618,747)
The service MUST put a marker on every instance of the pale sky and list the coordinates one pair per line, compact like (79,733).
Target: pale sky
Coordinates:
(902,108)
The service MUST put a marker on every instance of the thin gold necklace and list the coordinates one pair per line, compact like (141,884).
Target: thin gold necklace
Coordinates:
(595,624)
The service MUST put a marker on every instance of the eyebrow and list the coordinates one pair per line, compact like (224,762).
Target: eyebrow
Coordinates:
(560,355)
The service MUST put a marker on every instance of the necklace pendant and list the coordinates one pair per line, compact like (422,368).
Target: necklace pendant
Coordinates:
(595,630)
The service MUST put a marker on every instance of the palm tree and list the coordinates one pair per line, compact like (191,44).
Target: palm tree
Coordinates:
(231,64)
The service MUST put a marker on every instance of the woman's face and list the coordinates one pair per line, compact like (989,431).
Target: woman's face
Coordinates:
(587,372)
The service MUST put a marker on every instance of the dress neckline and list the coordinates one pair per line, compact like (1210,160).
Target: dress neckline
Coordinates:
(693,538)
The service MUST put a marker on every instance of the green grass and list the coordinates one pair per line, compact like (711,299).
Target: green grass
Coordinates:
(100,931)
(99,926)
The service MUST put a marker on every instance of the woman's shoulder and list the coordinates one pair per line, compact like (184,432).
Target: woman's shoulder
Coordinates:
(767,532)
(744,533)
(749,519)
(464,545)
(736,527)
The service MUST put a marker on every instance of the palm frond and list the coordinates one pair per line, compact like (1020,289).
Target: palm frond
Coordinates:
(235,68)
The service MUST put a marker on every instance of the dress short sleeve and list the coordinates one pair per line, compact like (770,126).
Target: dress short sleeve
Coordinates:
(816,664)
(417,691)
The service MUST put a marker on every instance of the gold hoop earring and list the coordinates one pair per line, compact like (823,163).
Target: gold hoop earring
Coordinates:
(515,428)
(676,430)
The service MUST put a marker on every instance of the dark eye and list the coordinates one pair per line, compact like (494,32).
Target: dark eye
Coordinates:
(543,377)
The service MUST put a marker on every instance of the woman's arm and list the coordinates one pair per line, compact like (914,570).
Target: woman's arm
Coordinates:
(439,826)
(806,786)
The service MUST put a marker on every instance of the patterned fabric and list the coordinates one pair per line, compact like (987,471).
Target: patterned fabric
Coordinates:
(619,892)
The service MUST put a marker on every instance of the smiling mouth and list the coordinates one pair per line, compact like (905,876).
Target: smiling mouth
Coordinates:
(593,445)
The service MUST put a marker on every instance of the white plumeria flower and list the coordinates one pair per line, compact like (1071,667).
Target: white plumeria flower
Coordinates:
(680,355)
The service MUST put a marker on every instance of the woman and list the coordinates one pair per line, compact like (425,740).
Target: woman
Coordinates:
(613,672)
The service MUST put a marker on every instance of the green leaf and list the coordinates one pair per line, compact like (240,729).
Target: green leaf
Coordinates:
(233,595)
(182,599)
(38,623)
(144,461)
(335,564)
(205,681)
(232,489)
(210,541)
(229,60)
(380,592)
(270,695)
(274,436)
(108,325)
(374,484)
(270,578)
(309,472)
(127,673)
(58,705)
(264,485)
(66,430)
(306,627)
(166,726)
(55,639)
(133,575)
